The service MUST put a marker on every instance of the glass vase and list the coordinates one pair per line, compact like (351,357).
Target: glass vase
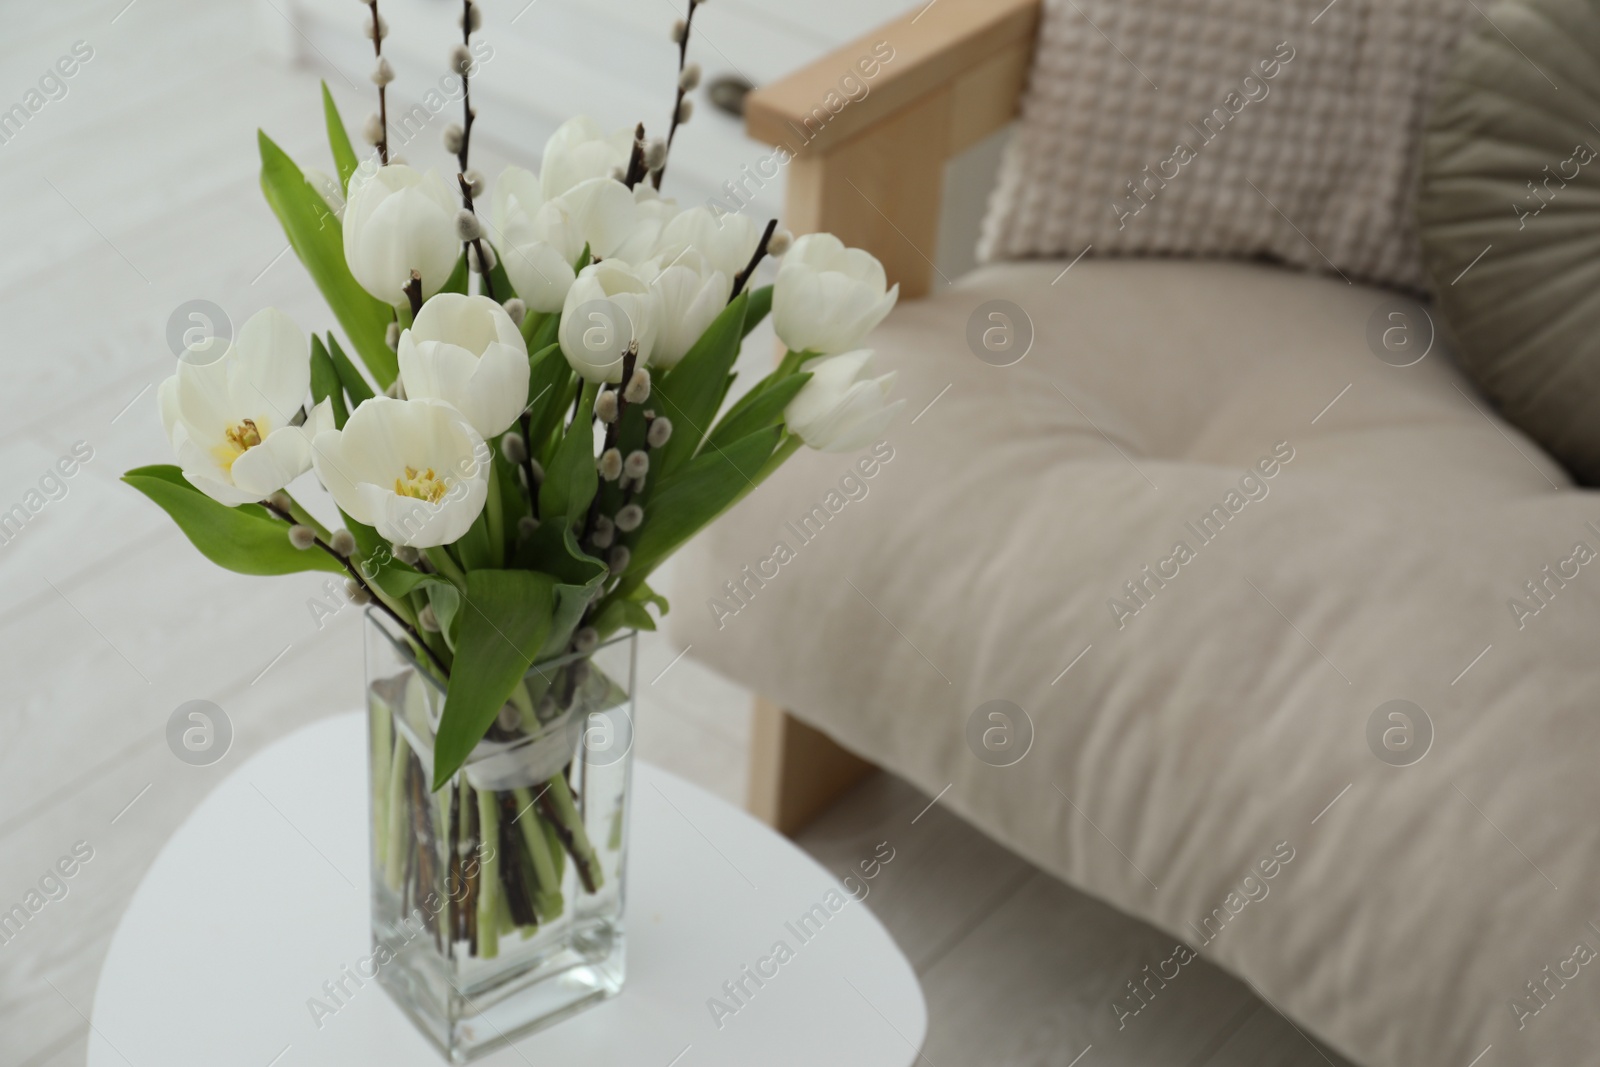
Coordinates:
(497,901)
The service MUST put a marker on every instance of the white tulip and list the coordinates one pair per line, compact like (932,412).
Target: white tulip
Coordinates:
(828,297)
(610,306)
(652,212)
(727,240)
(541,240)
(396,221)
(842,408)
(602,210)
(466,351)
(415,470)
(578,151)
(229,416)
(690,294)
(535,253)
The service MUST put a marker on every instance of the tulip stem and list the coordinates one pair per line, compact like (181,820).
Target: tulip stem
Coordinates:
(791,444)
(755,260)
(495,518)
(489,887)
(560,811)
(440,558)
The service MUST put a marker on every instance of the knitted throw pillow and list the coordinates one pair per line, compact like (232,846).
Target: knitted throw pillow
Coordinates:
(1282,129)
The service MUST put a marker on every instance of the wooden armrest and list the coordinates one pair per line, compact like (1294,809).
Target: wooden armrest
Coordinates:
(868,128)
(865,133)
(928,50)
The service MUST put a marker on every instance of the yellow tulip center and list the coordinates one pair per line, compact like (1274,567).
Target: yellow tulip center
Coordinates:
(423,485)
(237,440)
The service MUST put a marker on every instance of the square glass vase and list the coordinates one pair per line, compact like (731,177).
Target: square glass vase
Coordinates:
(497,901)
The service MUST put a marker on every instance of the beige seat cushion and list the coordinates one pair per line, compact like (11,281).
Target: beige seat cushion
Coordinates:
(1207,734)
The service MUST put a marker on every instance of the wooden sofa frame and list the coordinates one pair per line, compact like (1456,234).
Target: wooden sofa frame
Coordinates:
(869,169)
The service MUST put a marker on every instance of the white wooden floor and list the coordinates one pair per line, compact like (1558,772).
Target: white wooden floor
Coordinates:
(135,192)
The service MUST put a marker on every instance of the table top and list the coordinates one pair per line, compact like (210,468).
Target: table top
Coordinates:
(261,897)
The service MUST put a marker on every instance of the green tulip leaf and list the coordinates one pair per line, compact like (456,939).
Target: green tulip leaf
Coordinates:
(445,599)
(553,550)
(617,610)
(548,379)
(317,238)
(355,386)
(532,323)
(758,409)
(245,539)
(618,614)
(325,383)
(374,560)
(513,501)
(457,282)
(499,280)
(503,624)
(541,328)
(691,392)
(645,595)
(344,155)
(570,479)
(707,486)
(760,307)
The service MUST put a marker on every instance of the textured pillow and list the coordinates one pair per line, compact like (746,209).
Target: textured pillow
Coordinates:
(1319,105)
(1510,218)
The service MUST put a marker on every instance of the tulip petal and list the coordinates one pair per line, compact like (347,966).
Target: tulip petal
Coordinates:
(726,239)
(220,491)
(651,215)
(273,366)
(865,432)
(398,220)
(604,212)
(499,387)
(466,351)
(539,273)
(387,443)
(516,196)
(205,402)
(279,459)
(327,457)
(577,151)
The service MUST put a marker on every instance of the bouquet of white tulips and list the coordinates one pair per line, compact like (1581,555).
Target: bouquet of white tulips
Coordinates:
(536,416)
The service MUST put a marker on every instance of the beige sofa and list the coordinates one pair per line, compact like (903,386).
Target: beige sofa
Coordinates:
(1206,737)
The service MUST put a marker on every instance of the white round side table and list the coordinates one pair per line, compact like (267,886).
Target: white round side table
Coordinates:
(259,903)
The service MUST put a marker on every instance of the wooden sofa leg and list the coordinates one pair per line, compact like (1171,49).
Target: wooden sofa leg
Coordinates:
(796,772)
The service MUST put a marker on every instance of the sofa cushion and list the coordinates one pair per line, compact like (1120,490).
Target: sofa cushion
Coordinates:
(1354,533)
(1509,214)
(1146,122)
